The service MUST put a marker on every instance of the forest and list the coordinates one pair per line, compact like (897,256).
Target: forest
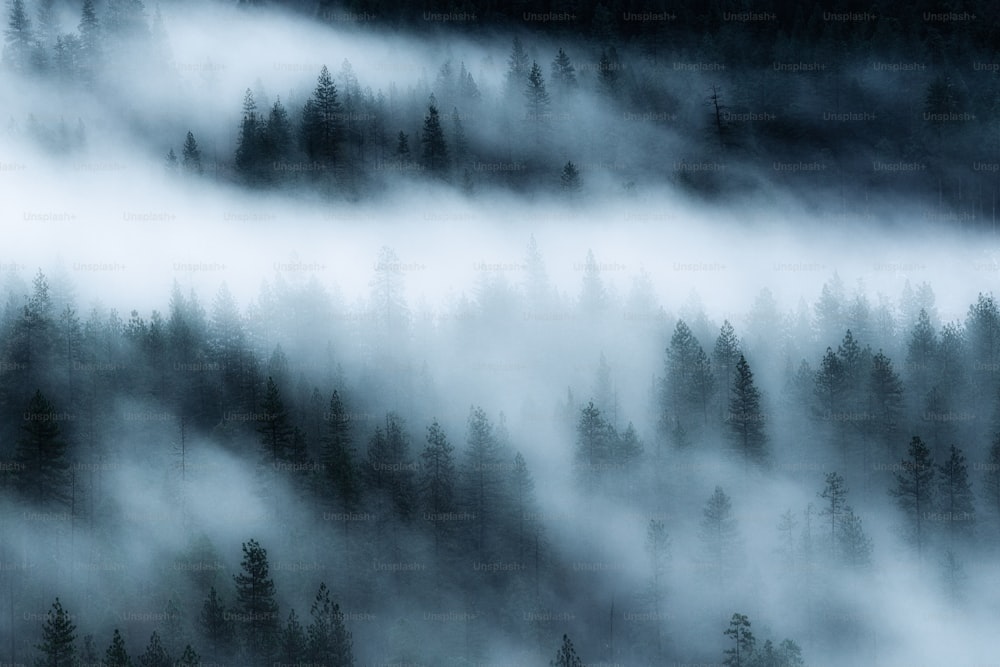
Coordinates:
(572,334)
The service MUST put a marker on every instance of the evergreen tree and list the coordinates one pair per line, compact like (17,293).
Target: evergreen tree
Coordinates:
(835,506)
(517,67)
(955,499)
(689,379)
(435,149)
(188,658)
(458,138)
(191,155)
(90,39)
(338,455)
(403,147)
(293,645)
(249,149)
(171,164)
(885,396)
(483,485)
(43,466)
(328,641)
(437,482)
(537,97)
(257,610)
(216,628)
(58,637)
(569,179)
(724,357)
(743,642)
(566,655)
(563,73)
(155,655)
(321,130)
(746,419)
(116,655)
(718,532)
(19,39)
(273,426)
(594,442)
(277,140)
(913,491)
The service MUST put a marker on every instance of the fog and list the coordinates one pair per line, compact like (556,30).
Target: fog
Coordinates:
(171,318)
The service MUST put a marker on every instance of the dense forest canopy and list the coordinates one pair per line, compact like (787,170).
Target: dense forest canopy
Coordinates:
(440,334)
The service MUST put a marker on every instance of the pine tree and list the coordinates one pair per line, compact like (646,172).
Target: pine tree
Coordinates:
(914,491)
(955,499)
(19,40)
(403,147)
(435,149)
(155,655)
(563,73)
(58,637)
(257,609)
(328,641)
(338,455)
(482,482)
(116,655)
(188,658)
(293,646)
(718,532)
(566,655)
(537,97)
(458,139)
(90,41)
(191,155)
(277,140)
(321,130)
(746,419)
(249,151)
(885,396)
(689,379)
(171,164)
(725,354)
(517,67)
(437,482)
(743,642)
(216,627)
(594,443)
(43,472)
(569,179)
(273,427)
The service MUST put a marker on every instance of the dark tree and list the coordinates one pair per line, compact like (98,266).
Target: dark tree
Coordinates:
(955,500)
(155,654)
(435,149)
(328,641)
(321,130)
(191,155)
(718,532)
(58,637)
(292,644)
(43,474)
(249,148)
(743,642)
(991,480)
(563,73)
(116,655)
(216,627)
(338,455)
(746,418)
(689,379)
(914,492)
(437,482)
(537,98)
(273,426)
(257,610)
(517,67)
(566,656)
(724,357)
(569,179)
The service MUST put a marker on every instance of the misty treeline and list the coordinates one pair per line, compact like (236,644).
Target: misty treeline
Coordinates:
(859,106)
(396,473)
